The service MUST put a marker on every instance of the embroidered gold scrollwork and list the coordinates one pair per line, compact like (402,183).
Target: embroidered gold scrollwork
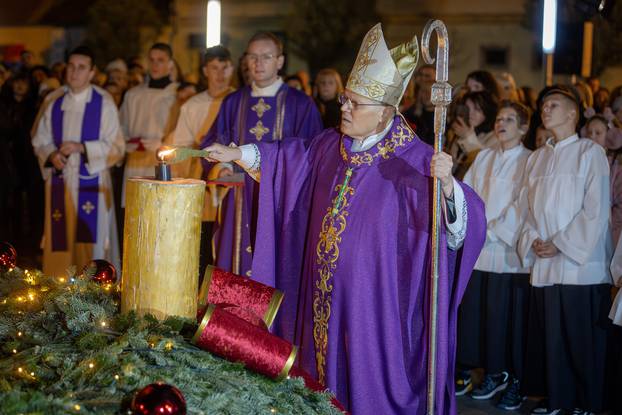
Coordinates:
(327,251)
(400,136)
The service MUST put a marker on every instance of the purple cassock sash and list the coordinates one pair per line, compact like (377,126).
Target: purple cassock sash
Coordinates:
(88,187)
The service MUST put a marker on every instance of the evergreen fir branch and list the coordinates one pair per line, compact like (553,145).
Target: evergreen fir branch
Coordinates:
(66,346)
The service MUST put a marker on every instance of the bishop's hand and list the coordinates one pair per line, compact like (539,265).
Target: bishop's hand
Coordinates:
(222,154)
(440,168)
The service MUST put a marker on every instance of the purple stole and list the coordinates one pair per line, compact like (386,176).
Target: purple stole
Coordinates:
(88,188)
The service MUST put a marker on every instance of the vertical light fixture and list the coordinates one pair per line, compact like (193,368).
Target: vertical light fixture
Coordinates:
(212,24)
(549,27)
(588,43)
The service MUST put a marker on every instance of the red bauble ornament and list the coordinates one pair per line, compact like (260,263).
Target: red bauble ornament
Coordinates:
(8,256)
(159,399)
(101,272)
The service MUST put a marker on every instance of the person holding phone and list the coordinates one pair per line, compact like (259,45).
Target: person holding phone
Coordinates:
(472,129)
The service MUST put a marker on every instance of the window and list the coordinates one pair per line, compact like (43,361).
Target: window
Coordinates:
(496,57)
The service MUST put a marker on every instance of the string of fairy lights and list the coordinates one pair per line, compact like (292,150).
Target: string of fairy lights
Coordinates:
(33,279)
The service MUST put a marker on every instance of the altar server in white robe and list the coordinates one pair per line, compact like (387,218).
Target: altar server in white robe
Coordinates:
(195,119)
(493,312)
(567,241)
(146,112)
(77,140)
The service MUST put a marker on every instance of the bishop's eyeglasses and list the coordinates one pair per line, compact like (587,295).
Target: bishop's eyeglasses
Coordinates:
(343,99)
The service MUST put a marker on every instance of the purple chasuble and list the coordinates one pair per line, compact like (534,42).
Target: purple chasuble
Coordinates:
(353,259)
(244,119)
(88,188)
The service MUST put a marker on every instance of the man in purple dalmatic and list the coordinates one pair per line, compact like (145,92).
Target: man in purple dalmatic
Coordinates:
(266,111)
(344,229)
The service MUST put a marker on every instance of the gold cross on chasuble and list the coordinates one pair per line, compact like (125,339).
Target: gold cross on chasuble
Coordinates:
(57,215)
(261,107)
(259,130)
(88,207)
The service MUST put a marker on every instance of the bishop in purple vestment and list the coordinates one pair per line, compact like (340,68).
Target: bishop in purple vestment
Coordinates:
(266,111)
(344,229)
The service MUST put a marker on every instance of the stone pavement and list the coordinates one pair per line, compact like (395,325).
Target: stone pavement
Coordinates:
(469,406)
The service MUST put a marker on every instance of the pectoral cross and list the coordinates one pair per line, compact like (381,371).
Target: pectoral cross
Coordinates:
(259,130)
(88,207)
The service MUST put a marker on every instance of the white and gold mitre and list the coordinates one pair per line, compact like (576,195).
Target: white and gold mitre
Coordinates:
(382,74)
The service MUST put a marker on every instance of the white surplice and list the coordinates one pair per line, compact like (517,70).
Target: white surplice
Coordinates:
(145,114)
(195,119)
(566,199)
(497,176)
(101,154)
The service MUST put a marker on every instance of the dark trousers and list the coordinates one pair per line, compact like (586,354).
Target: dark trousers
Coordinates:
(492,323)
(567,345)
(206,256)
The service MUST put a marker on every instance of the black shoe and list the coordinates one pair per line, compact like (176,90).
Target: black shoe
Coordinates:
(491,385)
(543,409)
(577,411)
(511,398)
(463,383)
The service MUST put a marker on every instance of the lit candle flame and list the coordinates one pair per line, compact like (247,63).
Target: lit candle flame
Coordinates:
(165,153)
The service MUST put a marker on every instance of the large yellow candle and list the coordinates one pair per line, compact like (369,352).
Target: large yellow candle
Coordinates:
(161,246)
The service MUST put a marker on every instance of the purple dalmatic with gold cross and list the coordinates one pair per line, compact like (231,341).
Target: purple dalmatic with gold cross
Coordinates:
(247,119)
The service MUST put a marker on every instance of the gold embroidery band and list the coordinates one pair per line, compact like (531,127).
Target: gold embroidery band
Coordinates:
(273,307)
(327,251)
(288,364)
(238,201)
(242,108)
(277,134)
(384,149)
(206,317)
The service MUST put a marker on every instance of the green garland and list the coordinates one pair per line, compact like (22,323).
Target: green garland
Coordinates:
(65,349)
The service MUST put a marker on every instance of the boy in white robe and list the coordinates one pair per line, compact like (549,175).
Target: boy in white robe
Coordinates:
(494,310)
(145,114)
(566,239)
(195,119)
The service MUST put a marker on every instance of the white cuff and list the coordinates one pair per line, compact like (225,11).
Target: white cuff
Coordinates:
(250,160)
(250,157)
(456,231)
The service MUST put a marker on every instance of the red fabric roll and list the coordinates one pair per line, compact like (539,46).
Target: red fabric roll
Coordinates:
(240,312)
(237,340)
(222,287)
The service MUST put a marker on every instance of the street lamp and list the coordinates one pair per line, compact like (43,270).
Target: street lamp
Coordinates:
(212,24)
(549,27)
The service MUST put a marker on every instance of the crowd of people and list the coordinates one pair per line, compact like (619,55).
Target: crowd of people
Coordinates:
(537,312)
(27,88)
